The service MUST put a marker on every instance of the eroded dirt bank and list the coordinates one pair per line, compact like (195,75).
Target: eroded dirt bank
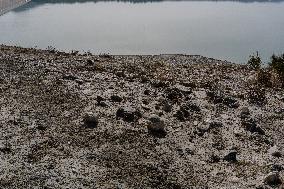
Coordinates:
(168,121)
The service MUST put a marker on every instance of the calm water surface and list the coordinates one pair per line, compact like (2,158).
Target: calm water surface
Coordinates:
(224,30)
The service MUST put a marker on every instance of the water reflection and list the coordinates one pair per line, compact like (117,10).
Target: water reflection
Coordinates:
(35,3)
(223,30)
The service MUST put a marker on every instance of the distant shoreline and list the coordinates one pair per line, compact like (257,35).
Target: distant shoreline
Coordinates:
(8,5)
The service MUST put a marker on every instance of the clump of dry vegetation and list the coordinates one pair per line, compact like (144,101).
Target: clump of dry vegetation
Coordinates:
(270,76)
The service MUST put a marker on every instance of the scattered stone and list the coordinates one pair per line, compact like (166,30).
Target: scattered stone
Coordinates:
(231,102)
(41,127)
(189,84)
(145,107)
(263,186)
(250,125)
(147,92)
(90,62)
(167,107)
(157,106)
(128,114)
(173,94)
(101,101)
(120,74)
(273,179)
(202,129)
(244,113)
(182,114)
(193,107)
(144,79)
(239,132)
(231,157)
(144,101)
(70,77)
(5,149)
(277,167)
(279,110)
(274,151)
(156,126)
(160,84)
(215,96)
(215,124)
(103,104)
(116,98)
(79,81)
(189,150)
(184,90)
(90,120)
(180,151)
(214,159)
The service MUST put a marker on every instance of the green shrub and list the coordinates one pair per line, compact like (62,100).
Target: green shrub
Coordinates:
(277,63)
(254,61)
(263,78)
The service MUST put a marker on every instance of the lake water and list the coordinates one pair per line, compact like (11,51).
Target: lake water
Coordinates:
(220,29)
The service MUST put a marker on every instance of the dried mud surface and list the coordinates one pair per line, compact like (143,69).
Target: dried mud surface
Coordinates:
(211,132)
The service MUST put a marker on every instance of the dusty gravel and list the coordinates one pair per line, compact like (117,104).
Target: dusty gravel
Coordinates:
(71,120)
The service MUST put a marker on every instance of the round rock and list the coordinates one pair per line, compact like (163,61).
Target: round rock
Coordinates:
(91,120)
(156,126)
(273,179)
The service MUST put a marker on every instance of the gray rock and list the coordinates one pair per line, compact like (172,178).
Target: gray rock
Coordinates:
(231,157)
(70,77)
(277,167)
(274,151)
(147,92)
(250,125)
(120,74)
(90,62)
(177,93)
(79,81)
(4,148)
(273,179)
(263,186)
(182,114)
(193,107)
(145,107)
(103,104)
(214,158)
(128,114)
(231,102)
(116,98)
(90,120)
(101,101)
(167,107)
(156,126)
(215,124)
(245,113)
(203,127)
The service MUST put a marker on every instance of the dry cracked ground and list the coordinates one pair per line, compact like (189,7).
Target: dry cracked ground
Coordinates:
(71,120)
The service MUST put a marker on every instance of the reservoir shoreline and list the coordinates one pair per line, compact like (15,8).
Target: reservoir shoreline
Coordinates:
(158,121)
(8,5)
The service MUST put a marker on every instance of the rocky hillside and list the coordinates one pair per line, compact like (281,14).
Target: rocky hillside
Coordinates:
(72,120)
